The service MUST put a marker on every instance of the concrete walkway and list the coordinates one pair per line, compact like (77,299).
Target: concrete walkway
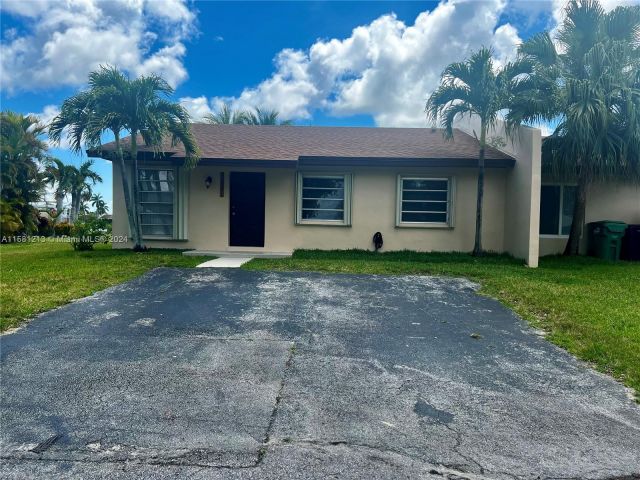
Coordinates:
(225,262)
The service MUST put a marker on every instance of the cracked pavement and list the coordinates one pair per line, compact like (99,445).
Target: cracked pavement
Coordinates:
(225,374)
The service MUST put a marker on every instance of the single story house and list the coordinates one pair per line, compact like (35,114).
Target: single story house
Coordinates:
(273,189)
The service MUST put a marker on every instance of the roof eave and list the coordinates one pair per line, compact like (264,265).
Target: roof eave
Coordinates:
(404,162)
(318,161)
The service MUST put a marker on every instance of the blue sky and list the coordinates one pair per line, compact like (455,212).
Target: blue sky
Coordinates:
(320,63)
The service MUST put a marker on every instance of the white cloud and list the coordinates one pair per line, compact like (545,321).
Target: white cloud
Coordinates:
(559,6)
(166,62)
(45,116)
(48,113)
(66,40)
(197,107)
(386,69)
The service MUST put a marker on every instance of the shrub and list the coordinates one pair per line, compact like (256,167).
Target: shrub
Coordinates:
(17,218)
(45,226)
(89,230)
(62,229)
(10,221)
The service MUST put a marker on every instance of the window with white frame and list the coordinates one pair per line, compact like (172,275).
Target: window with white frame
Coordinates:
(424,201)
(556,209)
(323,199)
(157,188)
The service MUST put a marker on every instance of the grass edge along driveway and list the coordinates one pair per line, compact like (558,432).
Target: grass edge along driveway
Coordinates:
(587,306)
(36,277)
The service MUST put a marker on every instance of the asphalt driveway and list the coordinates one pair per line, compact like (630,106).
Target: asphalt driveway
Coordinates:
(235,374)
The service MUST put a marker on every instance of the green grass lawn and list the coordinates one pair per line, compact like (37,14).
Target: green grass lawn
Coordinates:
(35,277)
(587,306)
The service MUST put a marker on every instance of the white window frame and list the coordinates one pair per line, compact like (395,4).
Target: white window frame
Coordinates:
(347,178)
(174,227)
(449,223)
(560,208)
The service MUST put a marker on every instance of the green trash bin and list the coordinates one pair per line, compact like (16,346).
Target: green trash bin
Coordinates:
(605,239)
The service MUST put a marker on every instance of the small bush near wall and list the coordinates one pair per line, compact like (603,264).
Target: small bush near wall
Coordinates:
(45,226)
(62,229)
(89,230)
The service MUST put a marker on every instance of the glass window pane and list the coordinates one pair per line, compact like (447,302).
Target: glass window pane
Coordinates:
(325,204)
(322,215)
(424,184)
(158,230)
(322,193)
(154,219)
(155,175)
(424,206)
(549,209)
(319,182)
(156,201)
(424,195)
(322,198)
(424,200)
(424,217)
(568,203)
(162,197)
(155,208)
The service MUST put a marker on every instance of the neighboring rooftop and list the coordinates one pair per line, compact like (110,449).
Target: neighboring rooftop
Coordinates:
(294,143)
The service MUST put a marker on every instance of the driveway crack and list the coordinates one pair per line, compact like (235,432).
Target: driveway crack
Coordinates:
(262,451)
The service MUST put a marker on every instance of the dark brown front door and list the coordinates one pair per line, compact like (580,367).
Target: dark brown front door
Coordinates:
(246,209)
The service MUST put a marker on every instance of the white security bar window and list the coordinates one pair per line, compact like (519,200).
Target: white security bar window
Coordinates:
(424,201)
(556,209)
(157,189)
(324,199)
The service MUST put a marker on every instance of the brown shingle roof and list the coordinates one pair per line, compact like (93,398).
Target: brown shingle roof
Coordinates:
(241,142)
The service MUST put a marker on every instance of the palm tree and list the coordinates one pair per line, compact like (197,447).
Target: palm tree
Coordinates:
(226,116)
(229,116)
(265,117)
(82,179)
(22,151)
(147,112)
(60,176)
(99,204)
(473,87)
(140,107)
(89,114)
(85,198)
(588,80)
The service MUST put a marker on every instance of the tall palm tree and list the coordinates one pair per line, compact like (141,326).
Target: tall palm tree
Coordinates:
(22,150)
(82,179)
(149,114)
(140,107)
(226,116)
(85,198)
(60,176)
(99,204)
(473,87)
(588,80)
(265,117)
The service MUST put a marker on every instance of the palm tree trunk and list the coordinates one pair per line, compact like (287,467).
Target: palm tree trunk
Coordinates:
(127,193)
(573,244)
(59,204)
(72,209)
(136,190)
(477,247)
(76,209)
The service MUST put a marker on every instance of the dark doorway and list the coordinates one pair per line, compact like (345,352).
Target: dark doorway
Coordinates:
(246,209)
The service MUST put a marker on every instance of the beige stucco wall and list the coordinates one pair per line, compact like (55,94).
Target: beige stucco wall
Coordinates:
(373,209)
(605,201)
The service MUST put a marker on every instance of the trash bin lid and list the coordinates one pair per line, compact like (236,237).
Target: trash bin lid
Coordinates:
(613,226)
